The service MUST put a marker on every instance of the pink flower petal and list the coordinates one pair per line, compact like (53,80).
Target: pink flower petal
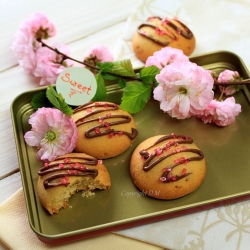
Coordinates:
(166,56)
(45,120)
(221,113)
(100,52)
(184,89)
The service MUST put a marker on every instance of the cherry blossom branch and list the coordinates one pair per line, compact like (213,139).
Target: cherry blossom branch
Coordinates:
(243,82)
(82,62)
(216,82)
(222,93)
(65,56)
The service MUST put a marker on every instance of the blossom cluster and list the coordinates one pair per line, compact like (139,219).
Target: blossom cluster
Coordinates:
(186,89)
(43,62)
(183,88)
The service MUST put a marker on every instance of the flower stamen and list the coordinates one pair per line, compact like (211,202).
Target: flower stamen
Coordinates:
(183,91)
(50,136)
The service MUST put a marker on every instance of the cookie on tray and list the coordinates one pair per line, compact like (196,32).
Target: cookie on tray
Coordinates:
(68,174)
(158,33)
(167,166)
(104,130)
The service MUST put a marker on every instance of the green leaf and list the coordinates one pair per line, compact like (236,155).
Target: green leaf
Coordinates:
(40,100)
(119,68)
(64,107)
(122,83)
(105,66)
(135,97)
(109,77)
(123,68)
(58,101)
(52,96)
(101,88)
(149,73)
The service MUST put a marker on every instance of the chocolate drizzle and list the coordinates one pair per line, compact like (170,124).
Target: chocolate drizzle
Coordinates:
(66,167)
(184,31)
(174,141)
(104,128)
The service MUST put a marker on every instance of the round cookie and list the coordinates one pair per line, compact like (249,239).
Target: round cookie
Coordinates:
(67,174)
(104,130)
(167,166)
(158,33)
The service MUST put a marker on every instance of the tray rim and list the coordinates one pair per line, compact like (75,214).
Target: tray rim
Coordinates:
(73,235)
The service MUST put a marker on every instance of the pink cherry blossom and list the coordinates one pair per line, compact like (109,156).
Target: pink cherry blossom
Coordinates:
(99,53)
(50,64)
(25,44)
(222,113)
(24,47)
(184,89)
(52,132)
(207,115)
(166,56)
(39,26)
(229,76)
(226,112)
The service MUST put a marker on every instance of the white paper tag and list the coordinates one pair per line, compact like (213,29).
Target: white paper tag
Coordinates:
(77,85)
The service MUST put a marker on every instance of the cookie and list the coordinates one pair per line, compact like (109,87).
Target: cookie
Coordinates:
(68,174)
(158,33)
(104,130)
(167,166)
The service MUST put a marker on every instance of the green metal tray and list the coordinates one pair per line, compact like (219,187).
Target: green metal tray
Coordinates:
(226,151)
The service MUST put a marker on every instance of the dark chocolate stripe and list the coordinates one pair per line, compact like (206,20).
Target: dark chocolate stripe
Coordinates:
(176,140)
(91,132)
(184,31)
(68,168)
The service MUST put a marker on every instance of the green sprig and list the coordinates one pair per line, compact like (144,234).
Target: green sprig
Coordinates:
(50,99)
(137,87)
(136,94)
(58,101)
(135,97)
(101,88)
(40,100)
(148,74)
(119,68)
